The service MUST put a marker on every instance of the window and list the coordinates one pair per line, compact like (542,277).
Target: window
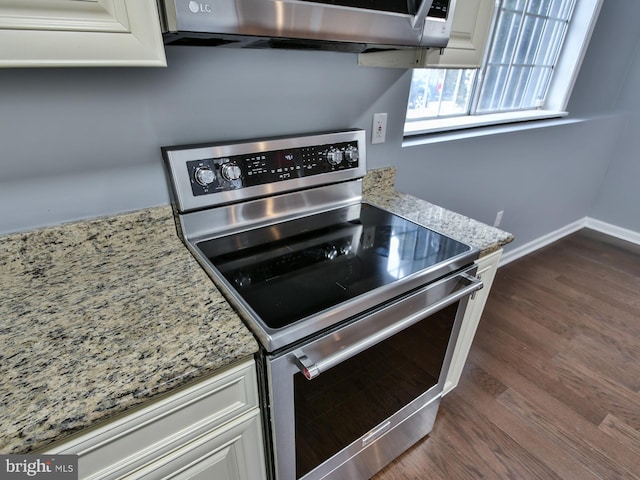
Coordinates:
(528,71)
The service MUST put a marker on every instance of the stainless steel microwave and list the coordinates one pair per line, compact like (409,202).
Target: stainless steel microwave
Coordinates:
(350,25)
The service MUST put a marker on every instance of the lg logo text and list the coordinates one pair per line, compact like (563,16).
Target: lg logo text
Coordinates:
(196,7)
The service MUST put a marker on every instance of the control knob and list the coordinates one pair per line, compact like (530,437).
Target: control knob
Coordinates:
(333,156)
(230,171)
(330,252)
(352,154)
(204,176)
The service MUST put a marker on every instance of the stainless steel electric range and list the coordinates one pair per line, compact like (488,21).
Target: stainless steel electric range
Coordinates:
(356,309)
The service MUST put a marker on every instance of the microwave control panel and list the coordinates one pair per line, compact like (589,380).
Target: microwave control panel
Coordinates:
(439,9)
(212,175)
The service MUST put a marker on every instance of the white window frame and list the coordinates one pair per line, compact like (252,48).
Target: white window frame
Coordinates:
(563,79)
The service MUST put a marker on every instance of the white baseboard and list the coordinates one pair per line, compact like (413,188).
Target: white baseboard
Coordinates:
(612,230)
(586,222)
(543,241)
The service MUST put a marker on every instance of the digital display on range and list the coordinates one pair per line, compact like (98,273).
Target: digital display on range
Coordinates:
(286,158)
(273,166)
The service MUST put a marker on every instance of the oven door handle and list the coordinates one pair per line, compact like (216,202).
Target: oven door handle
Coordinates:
(311,369)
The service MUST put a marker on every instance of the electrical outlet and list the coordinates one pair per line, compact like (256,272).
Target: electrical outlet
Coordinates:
(498,220)
(379,131)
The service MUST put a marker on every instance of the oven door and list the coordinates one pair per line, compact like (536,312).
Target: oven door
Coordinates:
(347,403)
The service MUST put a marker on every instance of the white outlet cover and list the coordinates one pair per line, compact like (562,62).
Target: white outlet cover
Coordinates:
(379,130)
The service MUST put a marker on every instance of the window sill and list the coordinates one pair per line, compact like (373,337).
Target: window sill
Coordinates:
(430,131)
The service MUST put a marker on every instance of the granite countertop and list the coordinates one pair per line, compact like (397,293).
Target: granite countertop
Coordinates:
(379,190)
(99,316)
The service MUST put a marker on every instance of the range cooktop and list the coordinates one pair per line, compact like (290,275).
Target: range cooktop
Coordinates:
(292,270)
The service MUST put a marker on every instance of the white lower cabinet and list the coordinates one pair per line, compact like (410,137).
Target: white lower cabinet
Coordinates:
(211,430)
(229,453)
(487,268)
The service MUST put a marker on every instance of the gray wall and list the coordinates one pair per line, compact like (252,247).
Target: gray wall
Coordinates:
(543,179)
(619,199)
(79,143)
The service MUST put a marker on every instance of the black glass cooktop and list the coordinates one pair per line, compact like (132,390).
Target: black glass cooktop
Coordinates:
(299,268)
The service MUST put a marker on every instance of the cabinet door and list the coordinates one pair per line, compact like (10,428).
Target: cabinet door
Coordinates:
(469,35)
(233,452)
(487,268)
(37,33)
(124,445)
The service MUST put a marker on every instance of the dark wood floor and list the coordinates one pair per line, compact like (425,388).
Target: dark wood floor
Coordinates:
(551,389)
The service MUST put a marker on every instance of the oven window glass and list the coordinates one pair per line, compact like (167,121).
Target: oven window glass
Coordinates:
(344,403)
(296,269)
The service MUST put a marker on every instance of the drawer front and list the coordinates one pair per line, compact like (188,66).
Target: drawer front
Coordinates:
(233,452)
(137,439)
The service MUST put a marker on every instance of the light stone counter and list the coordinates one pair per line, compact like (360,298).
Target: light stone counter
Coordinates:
(102,315)
(379,190)
(99,316)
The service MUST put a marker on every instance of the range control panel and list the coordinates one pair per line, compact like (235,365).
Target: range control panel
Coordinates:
(213,175)
(208,175)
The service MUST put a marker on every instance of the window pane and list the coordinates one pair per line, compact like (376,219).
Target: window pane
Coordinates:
(424,96)
(506,37)
(527,44)
(539,7)
(493,86)
(537,87)
(514,4)
(529,40)
(561,10)
(526,41)
(552,35)
(440,92)
(516,86)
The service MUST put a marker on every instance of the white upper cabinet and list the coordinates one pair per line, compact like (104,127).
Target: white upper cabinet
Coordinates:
(67,33)
(469,36)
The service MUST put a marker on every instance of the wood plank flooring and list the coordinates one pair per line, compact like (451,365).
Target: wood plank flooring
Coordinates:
(551,389)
